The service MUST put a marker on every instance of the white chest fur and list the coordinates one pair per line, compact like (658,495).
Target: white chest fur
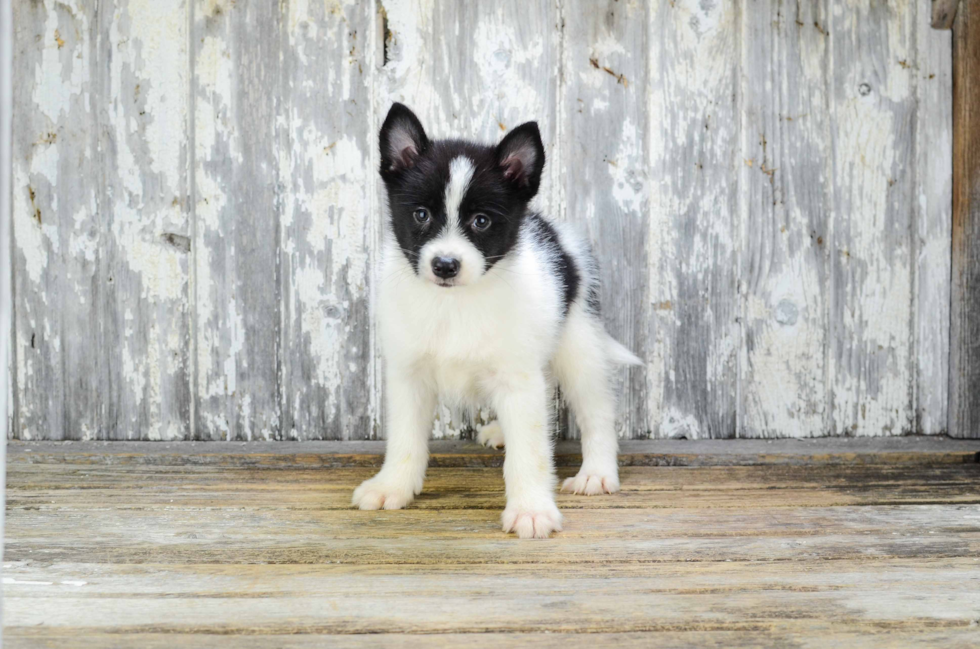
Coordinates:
(463,336)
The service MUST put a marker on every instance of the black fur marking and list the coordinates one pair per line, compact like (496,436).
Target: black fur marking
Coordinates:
(564,265)
(592,300)
(420,180)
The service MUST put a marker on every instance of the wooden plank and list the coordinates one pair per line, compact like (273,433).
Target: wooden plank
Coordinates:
(870,235)
(605,174)
(58,224)
(222,515)
(131,483)
(342,600)
(784,213)
(933,222)
(326,139)
(454,536)
(497,86)
(6,240)
(699,636)
(349,580)
(144,317)
(964,406)
(253,526)
(6,244)
(237,214)
(694,337)
(52,488)
(456,453)
(137,480)
(265,562)
(943,13)
(453,497)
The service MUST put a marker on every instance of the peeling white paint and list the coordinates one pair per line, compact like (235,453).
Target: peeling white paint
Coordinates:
(25,582)
(56,87)
(669,170)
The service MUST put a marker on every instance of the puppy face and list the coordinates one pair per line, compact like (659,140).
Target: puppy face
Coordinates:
(456,207)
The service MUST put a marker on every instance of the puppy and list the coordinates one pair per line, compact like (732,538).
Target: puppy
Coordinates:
(482,301)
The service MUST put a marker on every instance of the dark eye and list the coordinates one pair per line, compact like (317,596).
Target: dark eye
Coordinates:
(421,216)
(481,222)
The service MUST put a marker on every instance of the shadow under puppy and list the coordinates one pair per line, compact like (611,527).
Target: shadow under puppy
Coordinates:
(482,302)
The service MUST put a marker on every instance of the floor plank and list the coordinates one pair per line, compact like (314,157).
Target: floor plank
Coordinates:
(176,554)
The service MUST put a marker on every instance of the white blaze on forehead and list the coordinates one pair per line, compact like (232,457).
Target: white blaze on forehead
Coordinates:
(460,174)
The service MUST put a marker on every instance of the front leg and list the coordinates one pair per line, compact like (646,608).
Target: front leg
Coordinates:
(522,410)
(411,404)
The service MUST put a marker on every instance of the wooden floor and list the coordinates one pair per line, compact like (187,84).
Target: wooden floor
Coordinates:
(131,546)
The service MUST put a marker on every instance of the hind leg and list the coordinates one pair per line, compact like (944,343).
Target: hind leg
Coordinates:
(491,435)
(583,371)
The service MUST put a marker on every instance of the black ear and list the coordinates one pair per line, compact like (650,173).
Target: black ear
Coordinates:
(521,157)
(402,140)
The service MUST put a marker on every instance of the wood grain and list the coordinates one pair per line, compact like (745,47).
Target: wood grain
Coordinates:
(325,144)
(943,13)
(931,253)
(57,229)
(604,128)
(964,404)
(237,220)
(705,636)
(181,556)
(144,220)
(767,187)
(784,217)
(6,219)
(692,352)
(870,243)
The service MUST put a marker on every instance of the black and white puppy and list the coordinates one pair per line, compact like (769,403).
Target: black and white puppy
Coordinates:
(483,302)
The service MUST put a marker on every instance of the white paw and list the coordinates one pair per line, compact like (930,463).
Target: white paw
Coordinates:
(532,522)
(592,483)
(491,435)
(377,493)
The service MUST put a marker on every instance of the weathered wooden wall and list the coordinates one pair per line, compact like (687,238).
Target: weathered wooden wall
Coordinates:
(196,212)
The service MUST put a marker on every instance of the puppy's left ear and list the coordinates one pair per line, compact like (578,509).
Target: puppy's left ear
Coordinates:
(520,156)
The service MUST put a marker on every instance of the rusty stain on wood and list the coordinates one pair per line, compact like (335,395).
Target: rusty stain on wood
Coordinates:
(618,77)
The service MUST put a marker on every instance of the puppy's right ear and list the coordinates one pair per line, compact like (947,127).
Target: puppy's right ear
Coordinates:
(402,140)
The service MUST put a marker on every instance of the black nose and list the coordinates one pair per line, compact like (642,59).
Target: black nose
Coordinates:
(445,267)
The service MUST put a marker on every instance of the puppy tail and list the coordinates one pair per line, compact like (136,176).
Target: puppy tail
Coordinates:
(619,355)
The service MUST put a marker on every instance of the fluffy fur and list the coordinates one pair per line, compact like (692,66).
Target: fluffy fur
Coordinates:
(484,302)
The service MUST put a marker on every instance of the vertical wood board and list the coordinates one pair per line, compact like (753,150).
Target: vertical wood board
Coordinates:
(964,403)
(326,137)
(932,235)
(784,211)
(605,172)
(58,224)
(870,235)
(144,304)
(237,391)
(691,361)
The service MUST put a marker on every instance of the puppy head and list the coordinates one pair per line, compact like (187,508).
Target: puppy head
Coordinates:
(456,207)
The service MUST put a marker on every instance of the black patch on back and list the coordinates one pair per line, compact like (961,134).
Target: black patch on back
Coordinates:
(562,262)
